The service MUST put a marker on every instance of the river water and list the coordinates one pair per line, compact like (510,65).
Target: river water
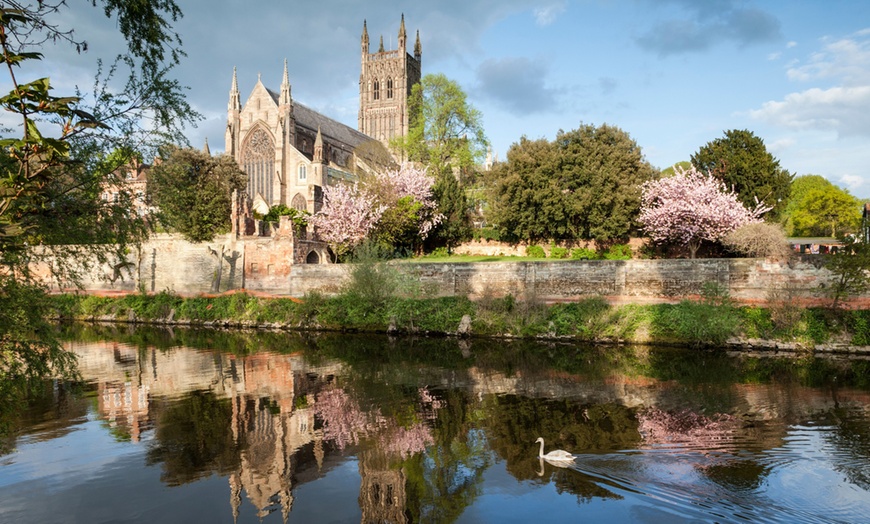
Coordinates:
(209,426)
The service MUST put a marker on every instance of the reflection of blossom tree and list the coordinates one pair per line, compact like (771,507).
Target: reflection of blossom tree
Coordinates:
(345,423)
(406,441)
(686,426)
(343,420)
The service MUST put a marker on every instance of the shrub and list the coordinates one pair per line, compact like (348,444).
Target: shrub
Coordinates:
(558,252)
(535,251)
(618,252)
(582,253)
(762,240)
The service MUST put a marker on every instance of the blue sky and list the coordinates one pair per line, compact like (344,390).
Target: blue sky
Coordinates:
(674,74)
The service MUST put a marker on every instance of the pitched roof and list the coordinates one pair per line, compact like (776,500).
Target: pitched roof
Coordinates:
(311,119)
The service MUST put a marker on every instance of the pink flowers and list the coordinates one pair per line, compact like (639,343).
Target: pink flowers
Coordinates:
(691,207)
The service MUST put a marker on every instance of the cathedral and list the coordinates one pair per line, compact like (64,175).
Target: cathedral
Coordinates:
(291,152)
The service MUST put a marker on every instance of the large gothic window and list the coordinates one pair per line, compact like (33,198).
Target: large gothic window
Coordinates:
(299,203)
(389,88)
(377,90)
(258,159)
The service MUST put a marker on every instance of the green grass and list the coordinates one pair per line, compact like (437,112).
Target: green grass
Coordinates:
(707,322)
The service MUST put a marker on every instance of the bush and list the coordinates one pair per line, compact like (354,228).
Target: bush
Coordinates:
(761,240)
(582,253)
(558,252)
(618,252)
(535,251)
(486,233)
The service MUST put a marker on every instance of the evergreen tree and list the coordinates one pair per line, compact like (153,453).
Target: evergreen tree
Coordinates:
(741,161)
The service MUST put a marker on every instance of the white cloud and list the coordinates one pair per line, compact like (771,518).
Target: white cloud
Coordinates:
(846,60)
(545,16)
(791,44)
(774,56)
(840,109)
(853,183)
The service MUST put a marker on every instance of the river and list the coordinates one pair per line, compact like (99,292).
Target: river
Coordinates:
(213,426)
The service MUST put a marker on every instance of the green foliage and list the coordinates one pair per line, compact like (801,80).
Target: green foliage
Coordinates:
(535,251)
(446,132)
(618,252)
(583,185)
(299,218)
(851,269)
(583,253)
(558,252)
(455,226)
(486,233)
(816,207)
(741,161)
(709,321)
(194,192)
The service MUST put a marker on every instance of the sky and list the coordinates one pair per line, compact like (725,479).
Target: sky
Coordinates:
(673,74)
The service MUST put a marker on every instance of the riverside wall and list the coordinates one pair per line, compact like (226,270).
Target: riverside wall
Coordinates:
(276,266)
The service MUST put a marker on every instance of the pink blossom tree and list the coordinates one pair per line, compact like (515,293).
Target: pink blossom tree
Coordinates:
(348,215)
(692,207)
(410,208)
(395,206)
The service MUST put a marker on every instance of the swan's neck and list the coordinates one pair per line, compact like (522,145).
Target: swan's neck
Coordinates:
(541,453)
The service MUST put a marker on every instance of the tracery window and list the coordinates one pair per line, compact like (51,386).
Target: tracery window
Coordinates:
(377,90)
(389,88)
(299,203)
(258,159)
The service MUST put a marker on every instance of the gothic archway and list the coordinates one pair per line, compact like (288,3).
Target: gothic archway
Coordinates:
(312,258)
(258,161)
(299,203)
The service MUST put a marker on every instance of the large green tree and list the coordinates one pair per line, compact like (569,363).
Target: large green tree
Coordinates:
(63,151)
(741,161)
(446,135)
(583,185)
(817,207)
(193,191)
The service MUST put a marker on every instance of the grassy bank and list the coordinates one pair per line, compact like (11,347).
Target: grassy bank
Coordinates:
(709,321)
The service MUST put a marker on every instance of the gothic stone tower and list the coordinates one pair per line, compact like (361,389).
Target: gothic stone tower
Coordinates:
(385,83)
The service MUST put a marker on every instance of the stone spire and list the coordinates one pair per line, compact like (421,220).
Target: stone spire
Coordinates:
(285,86)
(381,47)
(318,146)
(205,148)
(418,49)
(235,100)
(403,36)
(365,39)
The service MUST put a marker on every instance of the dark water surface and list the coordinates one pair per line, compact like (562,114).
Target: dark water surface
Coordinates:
(194,426)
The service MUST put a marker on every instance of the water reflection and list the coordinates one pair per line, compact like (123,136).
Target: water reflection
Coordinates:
(279,427)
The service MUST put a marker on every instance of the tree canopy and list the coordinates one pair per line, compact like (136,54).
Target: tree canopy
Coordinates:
(61,155)
(193,191)
(819,208)
(395,209)
(692,207)
(741,161)
(446,135)
(583,185)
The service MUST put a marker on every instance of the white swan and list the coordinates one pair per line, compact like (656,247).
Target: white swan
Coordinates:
(557,455)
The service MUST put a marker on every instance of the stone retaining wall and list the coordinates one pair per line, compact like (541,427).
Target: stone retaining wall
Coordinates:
(266,265)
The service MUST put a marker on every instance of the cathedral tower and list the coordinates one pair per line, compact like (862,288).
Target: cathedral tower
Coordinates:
(385,84)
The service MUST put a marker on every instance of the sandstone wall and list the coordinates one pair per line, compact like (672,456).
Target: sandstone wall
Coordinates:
(273,265)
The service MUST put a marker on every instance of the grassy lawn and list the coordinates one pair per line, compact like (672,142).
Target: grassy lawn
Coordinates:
(475,258)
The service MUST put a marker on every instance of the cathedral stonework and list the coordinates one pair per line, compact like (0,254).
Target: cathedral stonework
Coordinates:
(291,152)
(385,84)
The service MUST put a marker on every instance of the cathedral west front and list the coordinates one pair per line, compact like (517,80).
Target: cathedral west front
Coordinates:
(290,152)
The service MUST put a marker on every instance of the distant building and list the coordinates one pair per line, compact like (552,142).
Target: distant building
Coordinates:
(133,180)
(865,223)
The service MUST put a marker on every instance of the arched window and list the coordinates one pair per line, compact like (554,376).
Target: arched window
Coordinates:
(376,94)
(258,159)
(298,203)
(389,88)
(303,173)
